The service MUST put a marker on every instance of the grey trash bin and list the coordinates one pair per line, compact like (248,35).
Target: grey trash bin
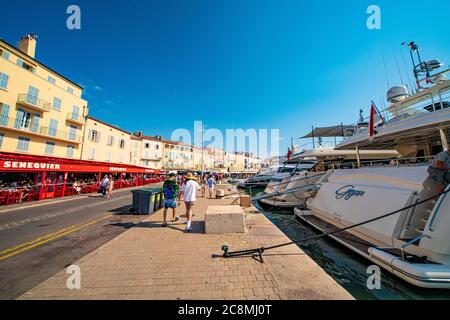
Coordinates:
(147,202)
(136,198)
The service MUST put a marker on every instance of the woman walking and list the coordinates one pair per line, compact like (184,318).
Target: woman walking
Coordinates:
(110,186)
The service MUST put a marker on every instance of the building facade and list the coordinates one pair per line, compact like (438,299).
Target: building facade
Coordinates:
(41,111)
(152,152)
(106,143)
(177,156)
(136,143)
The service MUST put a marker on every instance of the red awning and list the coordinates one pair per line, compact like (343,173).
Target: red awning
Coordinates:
(11,162)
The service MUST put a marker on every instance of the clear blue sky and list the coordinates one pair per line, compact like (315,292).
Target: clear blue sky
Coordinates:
(159,65)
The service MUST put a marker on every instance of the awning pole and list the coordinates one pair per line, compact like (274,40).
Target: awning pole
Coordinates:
(444,141)
(358,158)
(66,174)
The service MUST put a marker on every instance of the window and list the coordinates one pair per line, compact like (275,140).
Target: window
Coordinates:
(56,104)
(49,148)
(94,135)
(157,147)
(122,144)
(51,80)
(110,140)
(121,158)
(108,156)
(53,127)
(69,90)
(5,55)
(23,143)
(4,111)
(23,120)
(73,132)
(147,145)
(1,139)
(75,113)
(91,154)
(166,155)
(25,65)
(32,96)
(70,151)
(4,80)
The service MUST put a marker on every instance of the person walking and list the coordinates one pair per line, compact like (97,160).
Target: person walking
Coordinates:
(211,182)
(188,191)
(110,186)
(171,191)
(104,184)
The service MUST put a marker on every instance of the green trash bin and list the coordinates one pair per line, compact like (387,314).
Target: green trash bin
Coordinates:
(159,198)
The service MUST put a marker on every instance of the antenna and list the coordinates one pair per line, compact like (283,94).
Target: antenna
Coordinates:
(406,70)
(398,69)
(385,69)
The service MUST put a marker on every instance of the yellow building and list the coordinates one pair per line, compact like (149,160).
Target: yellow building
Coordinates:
(41,111)
(106,143)
(152,152)
(136,145)
(177,156)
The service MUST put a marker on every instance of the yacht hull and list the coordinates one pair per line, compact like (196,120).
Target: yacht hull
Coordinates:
(424,275)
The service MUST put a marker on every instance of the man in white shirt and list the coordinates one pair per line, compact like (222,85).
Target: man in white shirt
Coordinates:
(189,192)
(104,184)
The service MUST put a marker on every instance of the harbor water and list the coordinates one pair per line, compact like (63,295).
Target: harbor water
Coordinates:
(346,267)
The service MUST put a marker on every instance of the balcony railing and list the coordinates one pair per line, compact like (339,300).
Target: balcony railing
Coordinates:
(75,117)
(34,102)
(31,127)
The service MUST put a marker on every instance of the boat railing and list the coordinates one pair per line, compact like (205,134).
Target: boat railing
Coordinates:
(390,162)
(407,244)
(426,104)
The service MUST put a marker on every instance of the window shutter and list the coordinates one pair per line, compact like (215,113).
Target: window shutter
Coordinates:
(90,134)
(4,114)
(98,136)
(19,118)
(35,122)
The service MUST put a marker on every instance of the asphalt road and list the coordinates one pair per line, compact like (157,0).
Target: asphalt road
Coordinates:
(38,241)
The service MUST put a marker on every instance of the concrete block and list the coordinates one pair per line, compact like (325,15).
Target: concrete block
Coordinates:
(224,219)
(246,201)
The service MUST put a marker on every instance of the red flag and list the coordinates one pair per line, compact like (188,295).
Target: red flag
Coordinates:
(289,154)
(375,120)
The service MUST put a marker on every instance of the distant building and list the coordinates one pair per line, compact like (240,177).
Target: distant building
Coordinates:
(106,143)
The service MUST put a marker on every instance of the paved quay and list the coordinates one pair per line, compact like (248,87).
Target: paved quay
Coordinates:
(151,262)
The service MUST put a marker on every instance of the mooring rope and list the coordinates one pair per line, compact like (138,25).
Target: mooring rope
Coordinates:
(261,250)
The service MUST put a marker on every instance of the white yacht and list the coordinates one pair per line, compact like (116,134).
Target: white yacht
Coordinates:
(413,244)
(293,190)
(273,173)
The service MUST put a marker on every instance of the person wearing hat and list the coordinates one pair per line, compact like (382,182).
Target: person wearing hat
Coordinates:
(171,191)
(189,191)
(439,170)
